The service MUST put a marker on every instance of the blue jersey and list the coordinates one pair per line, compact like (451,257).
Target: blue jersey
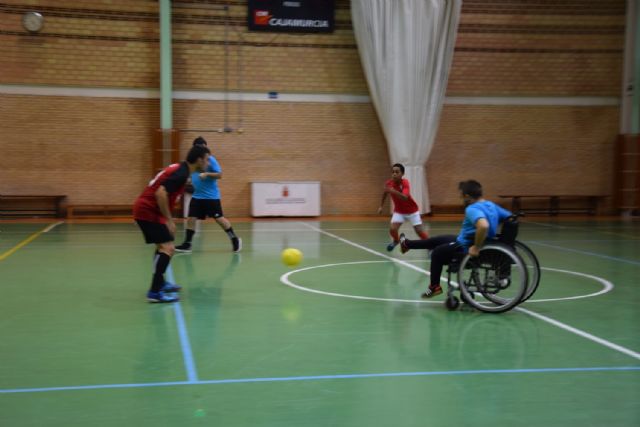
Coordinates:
(494,215)
(206,188)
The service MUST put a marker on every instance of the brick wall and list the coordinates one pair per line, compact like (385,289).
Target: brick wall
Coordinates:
(97,149)
(523,149)
(340,145)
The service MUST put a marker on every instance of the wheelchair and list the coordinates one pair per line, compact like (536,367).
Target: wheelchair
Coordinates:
(505,274)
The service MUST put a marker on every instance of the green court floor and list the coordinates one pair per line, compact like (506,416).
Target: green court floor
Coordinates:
(340,340)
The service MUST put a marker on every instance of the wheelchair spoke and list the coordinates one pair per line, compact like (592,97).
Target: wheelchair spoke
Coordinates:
(498,275)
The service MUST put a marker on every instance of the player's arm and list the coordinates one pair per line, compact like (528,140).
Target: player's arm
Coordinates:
(162,198)
(214,172)
(406,192)
(212,175)
(172,184)
(503,213)
(404,195)
(482,228)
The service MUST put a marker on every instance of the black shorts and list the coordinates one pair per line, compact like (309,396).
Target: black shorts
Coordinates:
(154,232)
(203,208)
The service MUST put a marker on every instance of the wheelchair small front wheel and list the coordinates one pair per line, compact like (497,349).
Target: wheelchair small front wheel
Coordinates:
(452,303)
(497,277)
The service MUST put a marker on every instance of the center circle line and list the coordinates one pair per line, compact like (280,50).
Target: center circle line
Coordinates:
(607,286)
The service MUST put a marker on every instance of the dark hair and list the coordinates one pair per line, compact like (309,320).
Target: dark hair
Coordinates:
(199,141)
(400,166)
(196,152)
(471,188)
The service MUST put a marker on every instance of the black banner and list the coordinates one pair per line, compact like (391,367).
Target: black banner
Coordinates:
(299,16)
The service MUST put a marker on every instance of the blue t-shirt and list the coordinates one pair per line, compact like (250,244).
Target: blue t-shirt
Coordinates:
(493,213)
(206,188)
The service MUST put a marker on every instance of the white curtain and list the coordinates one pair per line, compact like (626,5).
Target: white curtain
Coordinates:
(406,47)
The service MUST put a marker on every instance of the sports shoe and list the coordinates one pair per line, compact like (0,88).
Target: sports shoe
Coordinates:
(504,282)
(237,244)
(391,245)
(403,244)
(184,248)
(432,292)
(171,287)
(161,297)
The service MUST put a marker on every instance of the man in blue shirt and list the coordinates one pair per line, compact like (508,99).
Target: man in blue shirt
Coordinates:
(481,220)
(205,202)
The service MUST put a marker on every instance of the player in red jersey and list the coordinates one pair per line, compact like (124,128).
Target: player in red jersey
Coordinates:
(152,212)
(404,207)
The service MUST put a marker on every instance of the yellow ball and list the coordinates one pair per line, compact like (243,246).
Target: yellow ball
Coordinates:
(291,256)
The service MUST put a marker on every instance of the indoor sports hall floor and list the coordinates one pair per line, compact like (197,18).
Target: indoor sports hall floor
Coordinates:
(340,340)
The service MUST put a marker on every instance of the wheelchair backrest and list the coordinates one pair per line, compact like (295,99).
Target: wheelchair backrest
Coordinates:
(509,231)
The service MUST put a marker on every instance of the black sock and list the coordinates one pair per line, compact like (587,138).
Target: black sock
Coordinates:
(190,234)
(161,262)
(230,233)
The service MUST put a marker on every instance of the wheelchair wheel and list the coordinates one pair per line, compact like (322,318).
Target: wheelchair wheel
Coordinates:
(451,303)
(498,275)
(533,268)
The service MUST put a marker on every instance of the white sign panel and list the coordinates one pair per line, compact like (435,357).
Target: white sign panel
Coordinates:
(295,198)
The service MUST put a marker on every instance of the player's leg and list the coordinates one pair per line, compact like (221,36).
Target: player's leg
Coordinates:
(225,224)
(429,244)
(195,213)
(160,290)
(416,221)
(396,221)
(440,256)
(185,247)
(159,235)
(168,286)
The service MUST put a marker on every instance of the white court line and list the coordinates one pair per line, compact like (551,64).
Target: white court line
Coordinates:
(285,279)
(52,226)
(581,333)
(189,364)
(562,248)
(529,312)
(364,248)
(606,285)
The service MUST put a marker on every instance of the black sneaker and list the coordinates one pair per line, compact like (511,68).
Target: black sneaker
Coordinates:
(184,248)
(391,245)
(403,244)
(237,244)
(432,291)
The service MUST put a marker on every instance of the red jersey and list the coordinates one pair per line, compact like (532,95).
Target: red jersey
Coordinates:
(401,206)
(172,178)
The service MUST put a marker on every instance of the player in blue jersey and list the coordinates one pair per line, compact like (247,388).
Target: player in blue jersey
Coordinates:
(481,220)
(205,202)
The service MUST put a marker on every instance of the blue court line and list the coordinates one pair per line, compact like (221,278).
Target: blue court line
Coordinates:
(612,258)
(187,354)
(326,377)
